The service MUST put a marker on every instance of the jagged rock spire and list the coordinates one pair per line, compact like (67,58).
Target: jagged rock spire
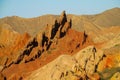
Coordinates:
(70,23)
(63,18)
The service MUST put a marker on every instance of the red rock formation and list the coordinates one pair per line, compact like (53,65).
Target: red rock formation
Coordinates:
(47,45)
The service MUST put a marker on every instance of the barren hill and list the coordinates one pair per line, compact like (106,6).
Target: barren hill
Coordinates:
(33,25)
(108,18)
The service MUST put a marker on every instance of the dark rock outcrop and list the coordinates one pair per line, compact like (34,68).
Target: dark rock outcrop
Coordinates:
(84,38)
(63,18)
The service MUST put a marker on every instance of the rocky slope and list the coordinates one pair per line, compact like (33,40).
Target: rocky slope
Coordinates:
(88,63)
(44,47)
(68,67)
(108,18)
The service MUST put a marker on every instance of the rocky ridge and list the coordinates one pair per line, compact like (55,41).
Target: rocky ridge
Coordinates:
(80,22)
(57,36)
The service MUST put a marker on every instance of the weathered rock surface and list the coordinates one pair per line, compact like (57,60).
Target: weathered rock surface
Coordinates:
(116,76)
(11,43)
(80,66)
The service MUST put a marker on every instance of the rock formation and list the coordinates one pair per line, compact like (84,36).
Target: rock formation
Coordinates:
(56,52)
(55,38)
(80,66)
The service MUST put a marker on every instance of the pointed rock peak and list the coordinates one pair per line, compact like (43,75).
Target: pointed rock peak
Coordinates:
(63,18)
(63,13)
(56,22)
(70,23)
